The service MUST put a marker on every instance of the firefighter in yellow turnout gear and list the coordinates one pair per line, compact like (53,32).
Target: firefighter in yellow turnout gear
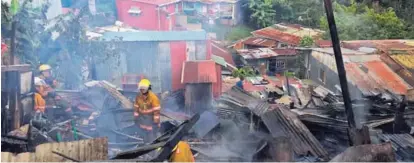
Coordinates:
(147,110)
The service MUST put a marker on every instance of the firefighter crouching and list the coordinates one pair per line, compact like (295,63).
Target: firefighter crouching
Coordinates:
(147,110)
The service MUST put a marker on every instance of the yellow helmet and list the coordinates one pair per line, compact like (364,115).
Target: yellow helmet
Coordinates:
(144,83)
(44,67)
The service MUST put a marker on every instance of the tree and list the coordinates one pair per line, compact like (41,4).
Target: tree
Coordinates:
(263,14)
(359,22)
(243,72)
(306,41)
(238,33)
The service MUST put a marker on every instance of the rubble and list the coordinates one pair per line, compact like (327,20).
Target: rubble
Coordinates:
(239,127)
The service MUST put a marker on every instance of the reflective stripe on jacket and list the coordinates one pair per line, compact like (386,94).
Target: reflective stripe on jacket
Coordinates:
(40,103)
(148,109)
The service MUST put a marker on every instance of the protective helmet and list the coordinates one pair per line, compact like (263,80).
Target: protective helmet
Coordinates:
(44,67)
(144,84)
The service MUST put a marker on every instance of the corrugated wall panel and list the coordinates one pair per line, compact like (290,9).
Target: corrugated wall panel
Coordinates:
(191,51)
(142,59)
(178,57)
(200,50)
(164,61)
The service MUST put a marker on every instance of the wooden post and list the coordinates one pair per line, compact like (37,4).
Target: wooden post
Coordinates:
(399,117)
(13,83)
(281,149)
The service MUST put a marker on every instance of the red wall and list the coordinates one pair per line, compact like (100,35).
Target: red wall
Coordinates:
(148,20)
(178,57)
(217,86)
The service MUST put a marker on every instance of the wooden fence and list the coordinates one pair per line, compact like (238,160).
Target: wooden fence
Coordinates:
(83,150)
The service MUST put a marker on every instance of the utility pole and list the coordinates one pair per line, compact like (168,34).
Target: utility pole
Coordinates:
(355,135)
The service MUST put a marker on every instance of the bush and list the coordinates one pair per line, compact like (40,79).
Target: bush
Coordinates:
(238,33)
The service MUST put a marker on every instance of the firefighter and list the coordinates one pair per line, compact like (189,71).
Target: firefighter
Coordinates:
(147,110)
(46,75)
(64,108)
(182,153)
(40,103)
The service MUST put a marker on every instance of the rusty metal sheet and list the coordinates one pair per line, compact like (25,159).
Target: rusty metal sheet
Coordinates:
(199,72)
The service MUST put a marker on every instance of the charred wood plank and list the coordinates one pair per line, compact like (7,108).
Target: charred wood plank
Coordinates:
(281,149)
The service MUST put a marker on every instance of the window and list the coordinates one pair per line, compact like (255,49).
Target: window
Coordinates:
(280,64)
(322,75)
(134,11)
(282,45)
(276,65)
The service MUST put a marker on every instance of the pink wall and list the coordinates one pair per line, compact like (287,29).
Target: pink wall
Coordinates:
(148,20)
(178,57)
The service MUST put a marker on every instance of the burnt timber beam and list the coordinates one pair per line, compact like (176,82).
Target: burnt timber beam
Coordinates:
(19,68)
(166,142)
(399,123)
(342,74)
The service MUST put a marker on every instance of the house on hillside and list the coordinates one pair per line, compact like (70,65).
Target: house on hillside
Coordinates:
(277,36)
(367,74)
(228,12)
(149,14)
(157,55)
(275,61)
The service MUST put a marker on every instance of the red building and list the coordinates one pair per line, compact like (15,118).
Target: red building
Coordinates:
(149,14)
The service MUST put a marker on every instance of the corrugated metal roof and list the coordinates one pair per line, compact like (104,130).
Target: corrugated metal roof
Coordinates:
(199,72)
(156,36)
(285,52)
(378,44)
(257,41)
(220,51)
(323,43)
(157,2)
(260,53)
(275,34)
(405,60)
(375,76)
(344,51)
(386,77)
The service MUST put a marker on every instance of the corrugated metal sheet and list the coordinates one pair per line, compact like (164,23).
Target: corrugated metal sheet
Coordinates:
(323,43)
(199,72)
(403,145)
(144,61)
(257,41)
(164,60)
(275,34)
(178,57)
(405,60)
(156,36)
(285,52)
(157,2)
(378,44)
(83,150)
(200,50)
(191,51)
(282,122)
(222,52)
(257,53)
(386,77)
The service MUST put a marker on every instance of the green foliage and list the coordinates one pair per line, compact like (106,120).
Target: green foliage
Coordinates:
(263,13)
(306,41)
(358,22)
(238,33)
(243,72)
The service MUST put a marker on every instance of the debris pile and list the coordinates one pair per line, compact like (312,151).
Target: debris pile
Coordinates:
(239,127)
